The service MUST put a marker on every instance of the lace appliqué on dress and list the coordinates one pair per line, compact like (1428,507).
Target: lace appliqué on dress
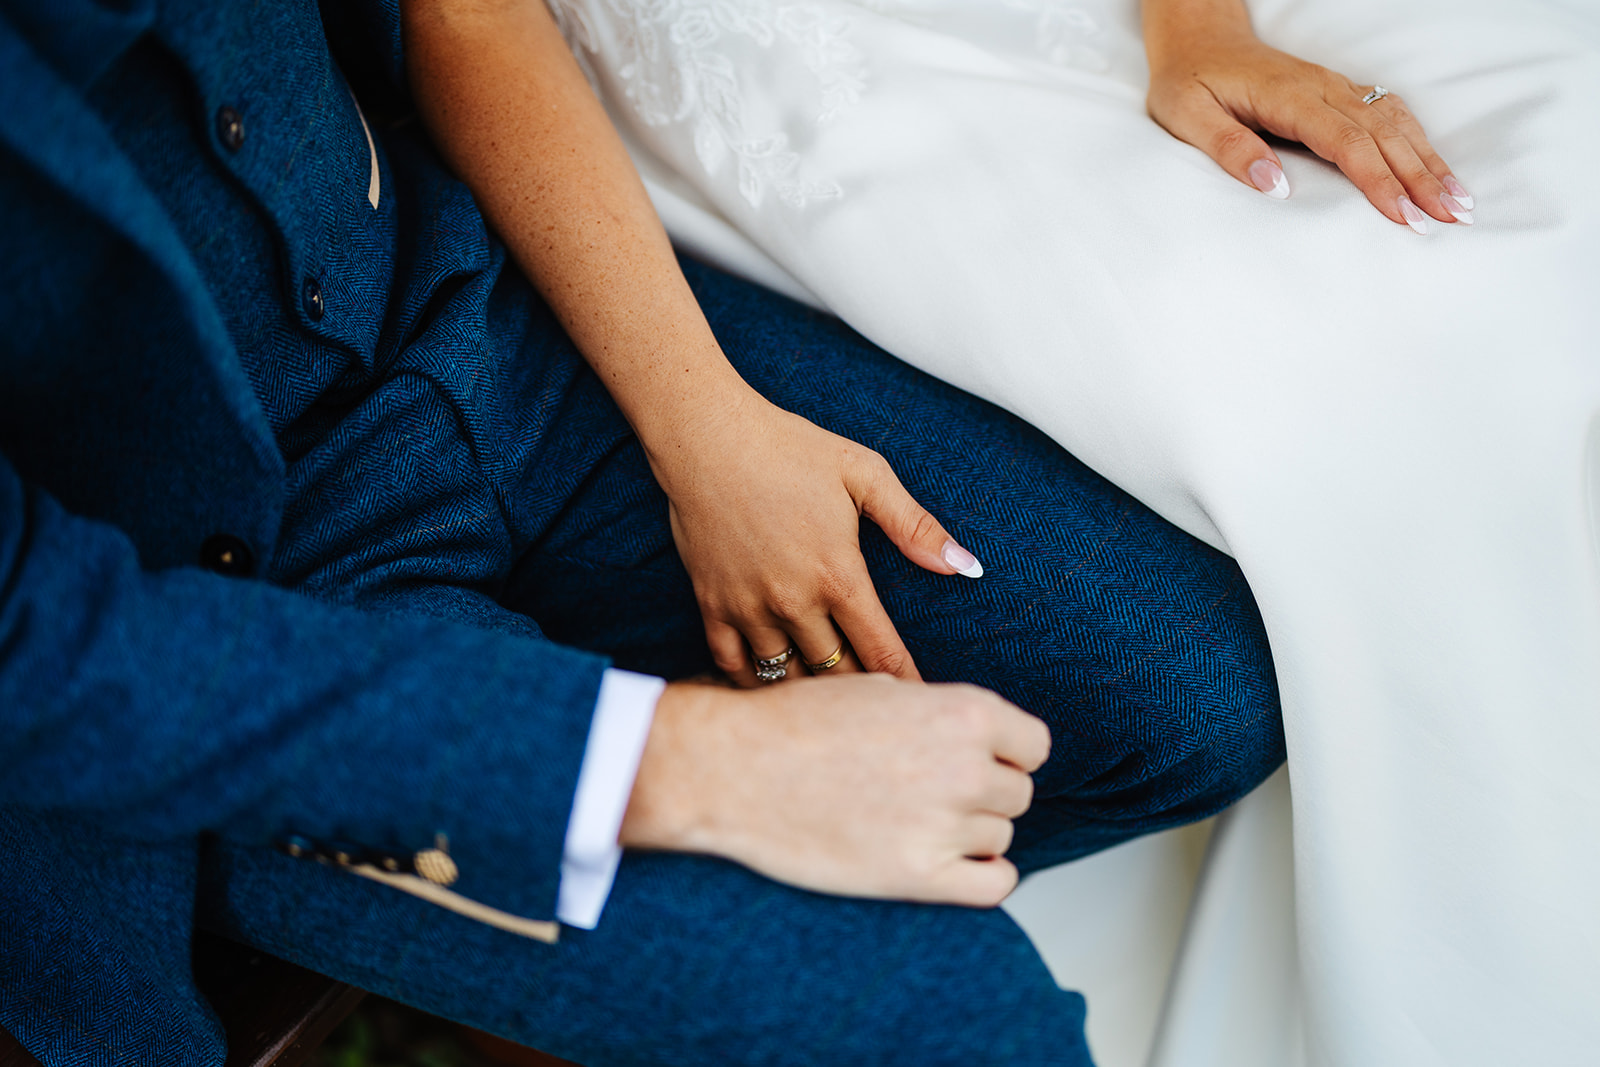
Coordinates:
(672,71)
(1067,34)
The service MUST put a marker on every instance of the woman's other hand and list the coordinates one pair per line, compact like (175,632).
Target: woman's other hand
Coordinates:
(1216,86)
(766,507)
(766,510)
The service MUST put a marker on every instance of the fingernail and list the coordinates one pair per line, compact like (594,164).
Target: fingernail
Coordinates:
(1268,177)
(1456,208)
(963,561)
(1459,191)
(1413,216)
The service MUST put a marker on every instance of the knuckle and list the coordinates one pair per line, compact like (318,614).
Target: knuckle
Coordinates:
(712,607)
(886,660)
(1232,142)
(870,648)
(999,886)
(1384,128)
(868,464)
(1352,138)
(1025,794)
(1176,110)
(1046,741)
(968,721)
(837,583)
(739,608)
(1297,92)
(727,661)
(1418,176)
(966,782)
(788,602)
(924,527)
(921,866)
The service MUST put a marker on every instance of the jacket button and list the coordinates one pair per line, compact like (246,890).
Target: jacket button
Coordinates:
(227,554)
(341,853)
(384,860)
(298,846)
(311,297)
(230,128)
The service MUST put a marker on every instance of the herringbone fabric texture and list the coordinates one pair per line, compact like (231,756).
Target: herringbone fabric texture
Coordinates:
(421,442)
(1138,644)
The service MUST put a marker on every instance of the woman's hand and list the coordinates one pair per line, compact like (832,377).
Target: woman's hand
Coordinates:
(1214,85)
(766,507)
(766,510)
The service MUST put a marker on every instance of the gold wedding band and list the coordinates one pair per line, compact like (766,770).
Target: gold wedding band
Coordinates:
(827,664)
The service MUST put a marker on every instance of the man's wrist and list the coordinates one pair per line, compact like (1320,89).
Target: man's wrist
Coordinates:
(675,788)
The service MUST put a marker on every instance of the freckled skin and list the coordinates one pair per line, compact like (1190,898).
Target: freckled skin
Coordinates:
(775,560)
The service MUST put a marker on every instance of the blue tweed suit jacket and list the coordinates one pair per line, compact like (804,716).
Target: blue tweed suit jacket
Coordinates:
(150,690)
(279,436)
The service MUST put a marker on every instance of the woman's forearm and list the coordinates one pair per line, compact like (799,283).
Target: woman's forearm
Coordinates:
(1171,24)
(505,101)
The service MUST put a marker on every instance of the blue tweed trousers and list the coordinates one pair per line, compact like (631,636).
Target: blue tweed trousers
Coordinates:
(1139,646)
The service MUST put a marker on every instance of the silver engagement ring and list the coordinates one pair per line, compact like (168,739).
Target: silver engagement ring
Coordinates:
(776,668)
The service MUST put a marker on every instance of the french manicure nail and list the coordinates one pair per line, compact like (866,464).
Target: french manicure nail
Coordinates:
(1268,177)
(1413,216)
(1459,191)
(963,561)
(1456,208)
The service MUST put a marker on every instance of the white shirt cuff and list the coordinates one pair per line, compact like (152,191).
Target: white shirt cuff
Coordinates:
(622,716)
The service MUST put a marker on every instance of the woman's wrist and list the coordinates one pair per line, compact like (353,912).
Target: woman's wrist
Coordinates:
(686,430)
(1174,27)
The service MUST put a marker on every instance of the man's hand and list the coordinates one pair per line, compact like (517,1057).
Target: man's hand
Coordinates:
(862,785)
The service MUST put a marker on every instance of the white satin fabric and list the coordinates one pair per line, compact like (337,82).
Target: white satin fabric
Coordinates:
(1397,437)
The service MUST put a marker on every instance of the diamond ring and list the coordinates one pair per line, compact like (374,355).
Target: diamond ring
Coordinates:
(776,668)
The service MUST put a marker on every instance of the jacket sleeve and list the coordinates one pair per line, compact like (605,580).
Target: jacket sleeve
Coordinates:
(161,704)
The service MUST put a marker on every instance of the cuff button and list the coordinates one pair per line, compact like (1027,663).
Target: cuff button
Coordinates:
(227,555)
(436,866)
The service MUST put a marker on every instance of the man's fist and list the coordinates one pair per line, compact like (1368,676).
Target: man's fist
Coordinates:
(862,785)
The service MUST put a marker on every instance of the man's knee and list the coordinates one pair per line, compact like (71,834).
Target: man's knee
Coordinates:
(1151,770)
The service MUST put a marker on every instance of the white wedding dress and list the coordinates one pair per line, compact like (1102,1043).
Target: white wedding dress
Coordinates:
(1398,437)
